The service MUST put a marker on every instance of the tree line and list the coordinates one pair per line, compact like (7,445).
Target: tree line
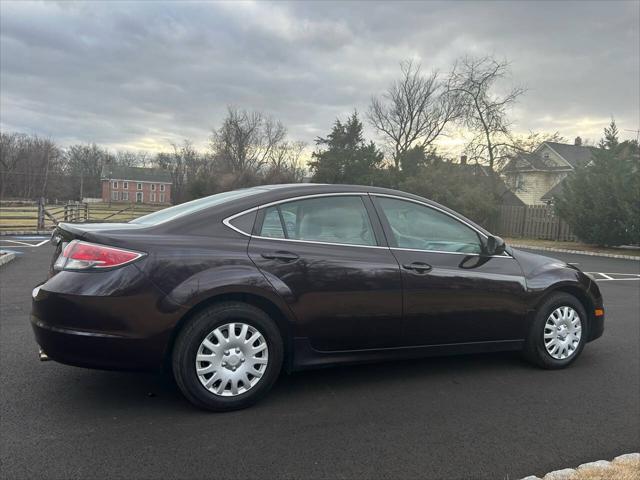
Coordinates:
(249,148)
(252,148)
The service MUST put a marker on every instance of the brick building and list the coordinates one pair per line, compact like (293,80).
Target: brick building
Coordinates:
(135,184)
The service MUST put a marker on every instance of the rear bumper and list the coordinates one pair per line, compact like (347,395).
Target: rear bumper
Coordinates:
(96,350)
(90,320)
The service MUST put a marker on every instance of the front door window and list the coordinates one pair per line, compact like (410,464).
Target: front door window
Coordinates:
(419,227)
(139,197)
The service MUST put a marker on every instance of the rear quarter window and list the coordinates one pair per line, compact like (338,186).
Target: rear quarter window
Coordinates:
(245,222)
(178,211)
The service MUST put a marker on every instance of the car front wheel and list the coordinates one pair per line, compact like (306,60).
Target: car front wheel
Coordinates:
(227,357)
(558,333)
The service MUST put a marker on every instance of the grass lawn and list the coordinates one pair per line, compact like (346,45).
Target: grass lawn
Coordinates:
(572,246)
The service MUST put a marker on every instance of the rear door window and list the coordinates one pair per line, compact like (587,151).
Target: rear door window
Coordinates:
(334,219)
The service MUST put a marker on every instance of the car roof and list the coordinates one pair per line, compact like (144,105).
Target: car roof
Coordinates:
(254,197)
(279,192)
(310,188)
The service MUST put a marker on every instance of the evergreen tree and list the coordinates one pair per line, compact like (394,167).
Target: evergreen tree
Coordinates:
(345,157)
(610,140)
(460,187)
(412,161)
(601,200)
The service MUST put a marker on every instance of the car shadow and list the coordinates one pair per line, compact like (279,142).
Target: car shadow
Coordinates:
(109,391)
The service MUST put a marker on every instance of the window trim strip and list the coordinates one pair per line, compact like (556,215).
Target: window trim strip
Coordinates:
(433,207)
(227,222)
(398,197)
(450,253)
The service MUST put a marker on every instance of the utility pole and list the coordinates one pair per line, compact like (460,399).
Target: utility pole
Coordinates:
(110,174)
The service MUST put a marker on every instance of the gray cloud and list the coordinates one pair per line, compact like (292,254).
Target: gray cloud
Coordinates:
(144,74)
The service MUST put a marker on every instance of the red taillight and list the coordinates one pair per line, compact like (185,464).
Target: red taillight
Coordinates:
(83,255)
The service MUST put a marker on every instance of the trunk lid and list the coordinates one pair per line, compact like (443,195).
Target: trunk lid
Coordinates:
(90,232)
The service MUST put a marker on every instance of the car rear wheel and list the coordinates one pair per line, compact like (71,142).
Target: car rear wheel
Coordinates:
(227,357)
(558,333)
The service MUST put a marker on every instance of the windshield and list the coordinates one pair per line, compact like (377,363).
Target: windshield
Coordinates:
(193,206)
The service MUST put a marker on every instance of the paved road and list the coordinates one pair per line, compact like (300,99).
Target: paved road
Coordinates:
(481,416)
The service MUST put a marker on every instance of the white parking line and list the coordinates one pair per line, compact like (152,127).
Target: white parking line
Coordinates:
(21,244)
(617,279)
(614,277)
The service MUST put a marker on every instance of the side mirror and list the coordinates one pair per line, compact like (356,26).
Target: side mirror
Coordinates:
(495,245)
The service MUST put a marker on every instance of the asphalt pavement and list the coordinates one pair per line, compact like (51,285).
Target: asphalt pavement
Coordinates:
(476,416)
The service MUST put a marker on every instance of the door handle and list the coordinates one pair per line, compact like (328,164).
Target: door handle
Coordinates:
(280,255)
(418,267)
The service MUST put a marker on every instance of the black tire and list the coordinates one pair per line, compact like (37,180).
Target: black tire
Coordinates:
(195,331)
(534,349)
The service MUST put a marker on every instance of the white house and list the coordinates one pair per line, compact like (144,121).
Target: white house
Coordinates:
(536,177)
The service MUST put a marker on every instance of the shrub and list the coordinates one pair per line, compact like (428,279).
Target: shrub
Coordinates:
(601,200)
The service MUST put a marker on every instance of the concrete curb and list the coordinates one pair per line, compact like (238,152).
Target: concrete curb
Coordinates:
(570,473)
(7,257)
(578,252)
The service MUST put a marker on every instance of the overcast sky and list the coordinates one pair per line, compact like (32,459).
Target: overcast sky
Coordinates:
(143,74)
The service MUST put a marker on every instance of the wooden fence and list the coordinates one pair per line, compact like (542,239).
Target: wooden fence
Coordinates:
(25,217)
(533,221)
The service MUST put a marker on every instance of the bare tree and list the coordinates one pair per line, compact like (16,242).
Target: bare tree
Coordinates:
(50,154)
(11,146)
(127,158)
(26,163)
(529,142)
(85,162)
(484,112)
(285,161)
(414,110)
(246,140)
(183,165)
(507,146)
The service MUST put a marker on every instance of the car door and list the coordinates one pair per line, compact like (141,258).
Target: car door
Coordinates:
(453,293)
(326,256)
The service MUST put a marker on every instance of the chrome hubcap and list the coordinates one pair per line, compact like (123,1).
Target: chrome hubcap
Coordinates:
(232,359)
(562,333)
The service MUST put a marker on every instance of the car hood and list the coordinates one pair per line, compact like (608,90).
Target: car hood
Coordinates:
(532,263)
